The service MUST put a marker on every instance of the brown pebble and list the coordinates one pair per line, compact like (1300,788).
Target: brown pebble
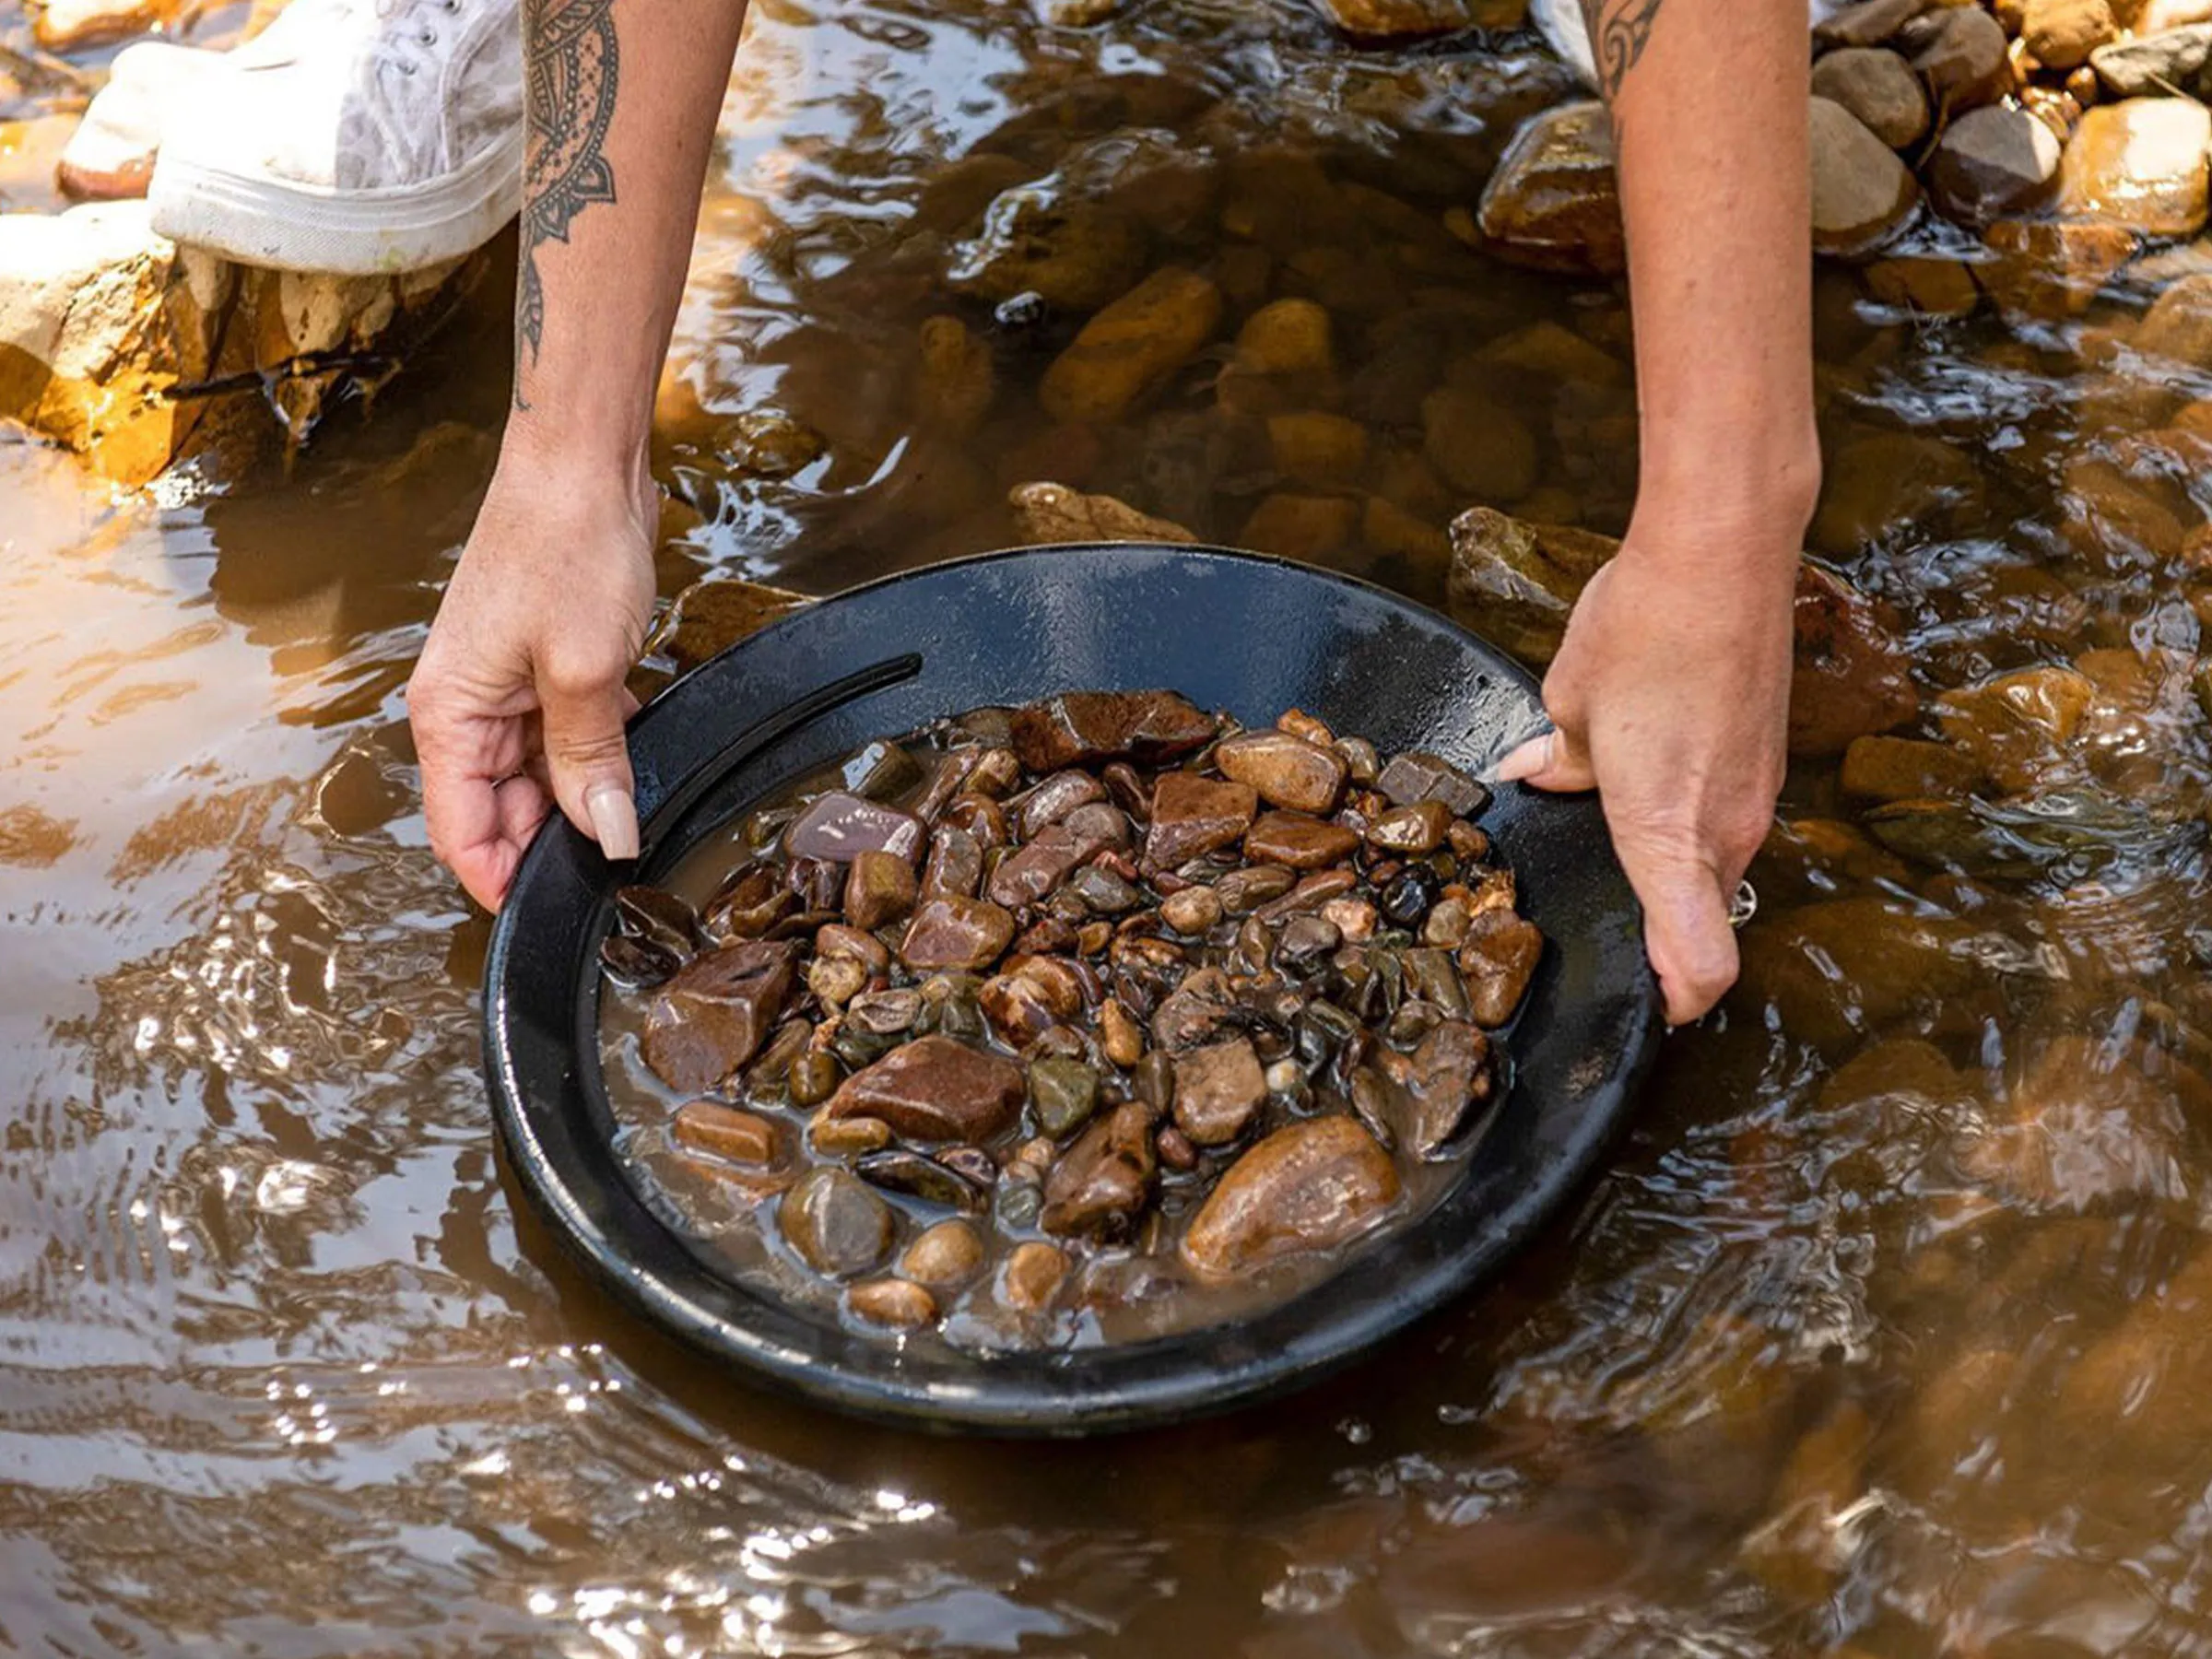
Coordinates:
(1123,1038)
(945,1255)
(1354,918)
(847,1138)
(898,1302)
(1175,1148)
(1417,828)
(814,1077)
(1032,1276)
(1193,911)
(743,1137)
(1447,924)
(879,890)
(1093,938)
(997,772)
(1300,723)
(1296,841)
(1467,842)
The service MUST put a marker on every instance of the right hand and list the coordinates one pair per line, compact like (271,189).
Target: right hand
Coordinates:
(517,701)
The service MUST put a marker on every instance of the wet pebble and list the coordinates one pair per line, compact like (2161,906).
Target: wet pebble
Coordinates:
(1032,1276)
(1193,911)
(1218,1090)
(835,1223)
(934,1088)
(879,888)
(1062,1094)
(896,1303)
(743,1138)
(1285,771)
(944,1257)
(951,932)
(1310,1185)
(1299,842)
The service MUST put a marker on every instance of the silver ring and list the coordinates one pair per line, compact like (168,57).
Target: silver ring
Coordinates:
(1744,906)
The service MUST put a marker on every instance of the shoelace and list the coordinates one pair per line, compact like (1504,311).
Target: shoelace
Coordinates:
(406,49)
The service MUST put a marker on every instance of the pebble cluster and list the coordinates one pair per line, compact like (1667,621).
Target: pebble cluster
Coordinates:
(1104,980)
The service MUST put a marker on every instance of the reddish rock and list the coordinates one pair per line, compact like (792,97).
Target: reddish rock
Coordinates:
(1298,841)
(1101,1183)
(1310,1185)
(1082,728)
(934,1088)
(1192,815)
(1498,959)
(839,827)
(956,933)
(712,1017)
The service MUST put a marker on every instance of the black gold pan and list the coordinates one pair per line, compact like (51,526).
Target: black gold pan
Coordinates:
(1229,631)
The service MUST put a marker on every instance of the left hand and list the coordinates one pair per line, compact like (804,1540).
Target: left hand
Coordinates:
(1670,696)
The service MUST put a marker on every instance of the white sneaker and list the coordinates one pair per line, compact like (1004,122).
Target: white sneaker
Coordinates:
(354,136)
(110,155)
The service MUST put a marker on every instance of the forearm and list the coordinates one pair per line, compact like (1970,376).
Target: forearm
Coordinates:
(1708,100)
(622,97)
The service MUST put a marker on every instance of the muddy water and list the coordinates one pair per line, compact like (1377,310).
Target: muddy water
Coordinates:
(1885,1333)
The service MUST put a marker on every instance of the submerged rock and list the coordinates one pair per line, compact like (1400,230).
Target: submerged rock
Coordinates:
(712,1017)
(1498,959)
(1218,1090)
(1130,349)
(1074,255)
(1044,514)
(1852,675)
(2052,268)
(1381,21)
(839,827)
(835,1223)
(1554,202)
(1960,52)
(1099,1183)
(1310,1185)
(934,1088)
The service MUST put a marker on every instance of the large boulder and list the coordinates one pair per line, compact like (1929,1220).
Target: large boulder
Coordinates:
(1554,202)
(1861,193)
(2141,163)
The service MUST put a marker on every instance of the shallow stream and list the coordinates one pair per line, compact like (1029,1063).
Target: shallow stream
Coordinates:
(1887,1333)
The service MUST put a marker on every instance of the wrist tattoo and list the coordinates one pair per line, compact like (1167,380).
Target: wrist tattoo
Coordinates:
(572,69)
(1618,30)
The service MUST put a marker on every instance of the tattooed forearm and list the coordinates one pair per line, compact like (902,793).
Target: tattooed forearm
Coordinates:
(572,68)
(1618,30)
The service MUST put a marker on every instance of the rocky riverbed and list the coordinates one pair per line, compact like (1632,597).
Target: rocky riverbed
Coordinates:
(1095,1019)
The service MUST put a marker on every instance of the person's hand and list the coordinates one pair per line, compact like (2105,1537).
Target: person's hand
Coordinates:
(1670,696)
(517,701)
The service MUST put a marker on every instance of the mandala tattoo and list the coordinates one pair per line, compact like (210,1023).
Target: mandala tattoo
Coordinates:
(573,69)
(1618,30)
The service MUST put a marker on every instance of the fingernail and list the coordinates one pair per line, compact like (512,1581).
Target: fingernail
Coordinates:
(614,819)
(1526,761)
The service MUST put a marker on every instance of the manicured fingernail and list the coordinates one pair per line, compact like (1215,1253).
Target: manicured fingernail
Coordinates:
(1526,762)
(614,819)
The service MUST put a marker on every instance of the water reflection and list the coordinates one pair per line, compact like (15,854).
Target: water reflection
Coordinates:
(1883,1335)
